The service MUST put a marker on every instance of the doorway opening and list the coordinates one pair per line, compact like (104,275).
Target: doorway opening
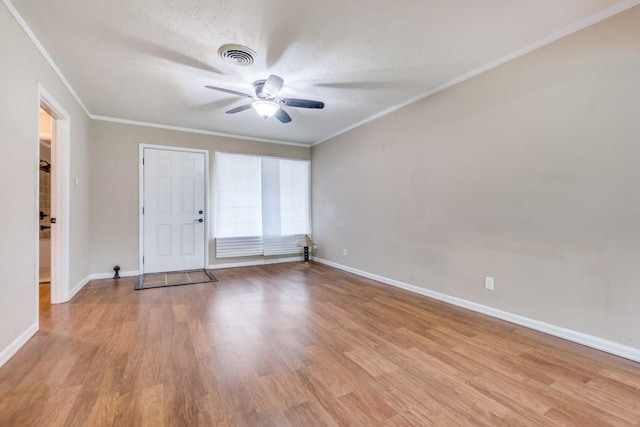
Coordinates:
(44,198)
(52,203)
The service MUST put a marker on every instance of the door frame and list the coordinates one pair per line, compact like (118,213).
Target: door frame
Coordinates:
(141,198)
(60,197)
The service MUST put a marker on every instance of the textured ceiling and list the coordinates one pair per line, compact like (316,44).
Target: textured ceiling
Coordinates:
(149,60)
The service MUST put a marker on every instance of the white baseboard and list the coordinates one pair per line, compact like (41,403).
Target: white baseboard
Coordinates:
(76,288)
(129,273)
(17,344)
(612,347)
(255,262)
(95,276)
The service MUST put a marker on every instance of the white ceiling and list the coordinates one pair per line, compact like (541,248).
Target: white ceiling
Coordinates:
(149,60)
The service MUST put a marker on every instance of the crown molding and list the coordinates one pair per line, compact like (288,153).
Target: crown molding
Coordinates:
(192,130)
(23,24)
(591,20)
(25,27)
(573,28)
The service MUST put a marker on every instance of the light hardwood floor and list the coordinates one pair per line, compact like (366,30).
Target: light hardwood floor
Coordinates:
(300,345)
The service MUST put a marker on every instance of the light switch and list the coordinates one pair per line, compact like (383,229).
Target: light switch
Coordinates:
(488,283)
(76,182)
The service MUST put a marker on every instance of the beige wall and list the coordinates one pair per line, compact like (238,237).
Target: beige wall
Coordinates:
(21,70)
(528,173)
(114,177)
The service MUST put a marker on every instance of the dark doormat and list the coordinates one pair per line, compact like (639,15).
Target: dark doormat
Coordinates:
(174,278)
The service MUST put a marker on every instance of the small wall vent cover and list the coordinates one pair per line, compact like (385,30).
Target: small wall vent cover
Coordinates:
(237,54)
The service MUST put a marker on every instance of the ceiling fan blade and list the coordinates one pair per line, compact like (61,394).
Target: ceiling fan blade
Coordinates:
(301,103)
(283,116)
(232,92)
(239,109)
(272,86)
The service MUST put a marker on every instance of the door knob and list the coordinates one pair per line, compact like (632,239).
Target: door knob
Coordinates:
(200,212)
(198,220)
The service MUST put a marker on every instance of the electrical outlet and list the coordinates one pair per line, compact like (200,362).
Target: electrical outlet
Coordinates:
(344,252)
(488,283)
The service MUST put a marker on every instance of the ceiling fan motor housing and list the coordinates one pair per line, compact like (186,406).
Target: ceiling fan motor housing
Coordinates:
(267,102)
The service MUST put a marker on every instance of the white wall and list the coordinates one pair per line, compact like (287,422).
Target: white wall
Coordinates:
(23,67)
(528,173)
(114,178)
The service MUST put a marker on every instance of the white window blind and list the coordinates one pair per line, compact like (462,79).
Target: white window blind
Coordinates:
(262,205)
(295,203)
(239,196)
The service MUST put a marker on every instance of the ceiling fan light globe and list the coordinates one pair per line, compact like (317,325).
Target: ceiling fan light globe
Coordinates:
(265,109)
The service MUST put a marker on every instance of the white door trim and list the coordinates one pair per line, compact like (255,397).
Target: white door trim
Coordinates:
(61,161)
(141,198)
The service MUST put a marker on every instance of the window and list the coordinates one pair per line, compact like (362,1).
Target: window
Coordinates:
(262,205)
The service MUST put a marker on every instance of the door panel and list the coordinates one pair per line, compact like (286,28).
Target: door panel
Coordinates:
(188,239)
(188,196)
(173,186)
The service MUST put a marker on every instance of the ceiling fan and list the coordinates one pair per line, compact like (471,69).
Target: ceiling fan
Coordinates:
(266,101)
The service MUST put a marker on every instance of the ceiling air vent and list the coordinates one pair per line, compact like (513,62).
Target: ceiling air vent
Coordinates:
(236,54)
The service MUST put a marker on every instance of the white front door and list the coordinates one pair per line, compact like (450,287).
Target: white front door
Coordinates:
(173,210)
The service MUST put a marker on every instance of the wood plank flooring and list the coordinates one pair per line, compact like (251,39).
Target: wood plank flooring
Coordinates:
(301,345)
